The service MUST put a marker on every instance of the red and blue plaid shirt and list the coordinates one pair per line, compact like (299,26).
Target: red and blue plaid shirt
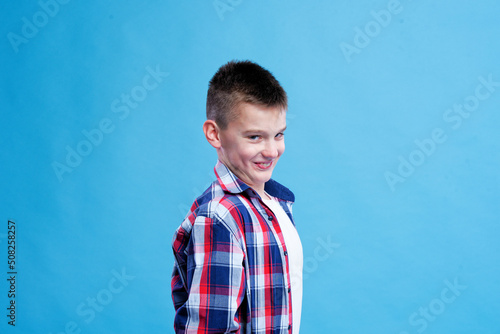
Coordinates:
(231,272)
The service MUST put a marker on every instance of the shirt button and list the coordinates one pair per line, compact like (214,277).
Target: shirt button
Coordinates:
(289,290)
(270,218)
(289,327)
(286,253)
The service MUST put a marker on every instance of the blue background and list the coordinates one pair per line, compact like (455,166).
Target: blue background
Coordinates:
(380,252)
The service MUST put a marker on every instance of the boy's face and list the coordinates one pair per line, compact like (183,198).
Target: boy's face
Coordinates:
(252,144)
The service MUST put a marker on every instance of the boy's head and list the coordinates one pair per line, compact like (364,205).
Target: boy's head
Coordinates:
(242,82)
(246,118)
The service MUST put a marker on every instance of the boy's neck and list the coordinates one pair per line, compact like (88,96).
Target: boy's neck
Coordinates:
(263,195)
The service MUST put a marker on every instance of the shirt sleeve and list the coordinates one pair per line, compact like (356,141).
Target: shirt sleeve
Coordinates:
(215,281)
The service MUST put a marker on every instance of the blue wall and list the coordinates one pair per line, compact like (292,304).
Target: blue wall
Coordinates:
(392,152)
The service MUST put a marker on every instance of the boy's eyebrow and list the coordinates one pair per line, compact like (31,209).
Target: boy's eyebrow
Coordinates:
(260,131)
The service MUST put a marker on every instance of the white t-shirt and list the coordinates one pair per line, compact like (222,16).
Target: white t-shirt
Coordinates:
(295,258)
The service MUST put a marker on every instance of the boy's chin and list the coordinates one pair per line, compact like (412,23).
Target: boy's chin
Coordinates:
(265,178)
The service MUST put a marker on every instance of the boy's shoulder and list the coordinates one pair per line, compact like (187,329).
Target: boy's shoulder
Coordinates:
(219,207)
(216,202)
(229,200)
(219,204)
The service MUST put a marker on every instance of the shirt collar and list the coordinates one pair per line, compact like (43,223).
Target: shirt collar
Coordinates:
(231,183)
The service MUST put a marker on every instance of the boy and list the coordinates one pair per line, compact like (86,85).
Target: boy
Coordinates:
(238,256)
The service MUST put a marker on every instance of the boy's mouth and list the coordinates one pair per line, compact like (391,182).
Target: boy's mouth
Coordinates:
(264,165)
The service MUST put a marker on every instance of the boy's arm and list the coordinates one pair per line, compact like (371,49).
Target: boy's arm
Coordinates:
(215,280)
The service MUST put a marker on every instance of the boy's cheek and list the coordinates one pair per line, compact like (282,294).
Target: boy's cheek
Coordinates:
(281,150)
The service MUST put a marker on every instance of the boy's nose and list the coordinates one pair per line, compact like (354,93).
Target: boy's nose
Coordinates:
(270,151)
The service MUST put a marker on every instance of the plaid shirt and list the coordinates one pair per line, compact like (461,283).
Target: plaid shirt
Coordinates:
(231,272)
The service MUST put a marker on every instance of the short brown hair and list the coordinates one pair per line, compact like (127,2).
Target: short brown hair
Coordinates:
(242,81)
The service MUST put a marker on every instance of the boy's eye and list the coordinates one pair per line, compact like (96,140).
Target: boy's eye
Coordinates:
(255,137)
(280,135)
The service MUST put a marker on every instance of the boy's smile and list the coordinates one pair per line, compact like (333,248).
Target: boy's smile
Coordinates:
(252,144)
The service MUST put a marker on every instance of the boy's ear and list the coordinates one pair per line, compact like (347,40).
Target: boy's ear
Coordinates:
(212,133)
